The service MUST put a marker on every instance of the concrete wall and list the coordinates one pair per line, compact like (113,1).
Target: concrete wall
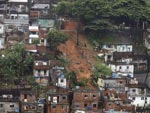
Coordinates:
(8,106)
(122,68)
(124,48)
(140,100)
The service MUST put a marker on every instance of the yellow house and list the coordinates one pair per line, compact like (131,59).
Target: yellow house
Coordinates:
(100,82)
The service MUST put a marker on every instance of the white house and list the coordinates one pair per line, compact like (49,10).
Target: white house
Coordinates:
(2,43)
(124,48)
(79,111)
(62,82)
(132,91)
(17,0)
(139,101)
(34,33)
(122,67)
(1,28)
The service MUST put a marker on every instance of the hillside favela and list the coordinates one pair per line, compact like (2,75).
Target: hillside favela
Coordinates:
(74,56)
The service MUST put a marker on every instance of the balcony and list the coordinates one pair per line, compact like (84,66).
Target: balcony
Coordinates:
(16,21)
(2,7)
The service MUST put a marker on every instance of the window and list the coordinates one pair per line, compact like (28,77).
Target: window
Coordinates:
(133,98)
(109,104)
(142,98)
(39,71)
(133,90)
(25,96)
(1,105)
(120,82)
(94,96)
(127,67)
(85,105)
(62,80)
(145,98)
(42,41)
(120,67)
(77,105)
(85,96)
(53,106)
(32,107)
(11,105)
(63,97)
(44,72)
(123,48)
(94,105)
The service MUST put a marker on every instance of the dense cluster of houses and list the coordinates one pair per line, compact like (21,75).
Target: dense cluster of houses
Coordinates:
(122,91)
(119,93)
(28,22)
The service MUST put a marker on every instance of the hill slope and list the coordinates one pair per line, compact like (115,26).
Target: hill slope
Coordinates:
(81,57)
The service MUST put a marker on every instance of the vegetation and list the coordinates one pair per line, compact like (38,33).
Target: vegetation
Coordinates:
(36,41)
(83,82)
(63,60)
(63,8)
(14,63)
(100,15)
(55,38)
(100,69)
(71,76)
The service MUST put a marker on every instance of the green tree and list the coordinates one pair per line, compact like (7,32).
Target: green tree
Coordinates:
(71,76)
(63,60)
(64,8)
(55,38)
(15,63)
(100,69)
(99,15)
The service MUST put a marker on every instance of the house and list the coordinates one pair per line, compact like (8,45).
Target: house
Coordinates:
(34,35)
(123,69)
(100,83)
(117,52)
(9,101)
(119,107)
(3,7)
(58,100)
(140,101)
(139,95)
(2,36)
(42,10)
(47,24)
(62,82)
(108,52)
(31,49)
(124,48)
(123,53)
(17,14)
(16,21)
(58,78)
(136,89)
(43,37)
(41,70)
(117,84)
(115,97)
(28,101)
(85,100)
(140,63)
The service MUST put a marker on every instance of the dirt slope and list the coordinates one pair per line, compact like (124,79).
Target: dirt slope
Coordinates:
(81,57)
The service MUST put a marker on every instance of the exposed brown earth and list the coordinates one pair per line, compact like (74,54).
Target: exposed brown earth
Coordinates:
(81,57)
